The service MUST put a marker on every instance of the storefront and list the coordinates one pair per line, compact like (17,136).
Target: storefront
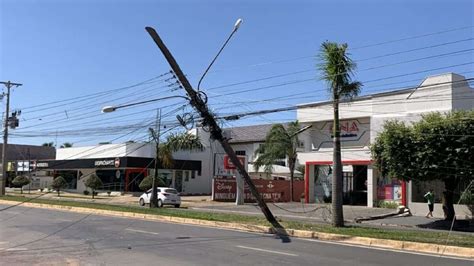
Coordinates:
(122,174)
(360,122)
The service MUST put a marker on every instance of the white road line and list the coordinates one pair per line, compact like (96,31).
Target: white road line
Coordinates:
(269,251)
(387,249)
(16,249)
(141,231)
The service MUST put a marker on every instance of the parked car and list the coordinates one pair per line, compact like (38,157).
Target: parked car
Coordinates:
(166,196)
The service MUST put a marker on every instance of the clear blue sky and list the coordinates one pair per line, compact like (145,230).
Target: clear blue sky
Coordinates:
(66,49)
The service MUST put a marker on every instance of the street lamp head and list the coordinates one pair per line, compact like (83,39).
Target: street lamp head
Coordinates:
(237,24)
(108,109)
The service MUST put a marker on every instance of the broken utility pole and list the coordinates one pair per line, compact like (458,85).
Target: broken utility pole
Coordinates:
(216,132)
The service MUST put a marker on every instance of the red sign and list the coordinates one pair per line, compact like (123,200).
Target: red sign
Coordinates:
(271,190)
(228,165)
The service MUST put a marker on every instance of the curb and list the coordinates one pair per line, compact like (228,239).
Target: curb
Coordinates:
(346,239)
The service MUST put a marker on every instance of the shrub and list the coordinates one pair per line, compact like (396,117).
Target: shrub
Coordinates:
(387,204)
(20,181)
(59,183)
(147,183)
(93,182)
(86,192)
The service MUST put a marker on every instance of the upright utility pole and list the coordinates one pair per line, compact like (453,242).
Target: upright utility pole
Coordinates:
(156,136)
(216,132)
(3,179)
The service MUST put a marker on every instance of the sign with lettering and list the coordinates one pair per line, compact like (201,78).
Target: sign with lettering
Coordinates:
(271,190)
(228,163)
(348,128)
(100,163)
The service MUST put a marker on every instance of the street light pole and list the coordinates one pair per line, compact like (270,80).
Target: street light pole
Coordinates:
(216,131)
(236,27)
(156,137)
(3,180)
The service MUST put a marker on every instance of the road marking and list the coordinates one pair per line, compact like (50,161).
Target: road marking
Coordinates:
(141,231)
(387,249)
(16,249)
(269,251)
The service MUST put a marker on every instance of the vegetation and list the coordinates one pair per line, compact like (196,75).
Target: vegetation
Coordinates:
(48,144)
(441,238)
(93,182)
(66,145)
(58,184)
(21,181)
(147,183)
(438,147)
(281,142)
(336,69)
(177,142)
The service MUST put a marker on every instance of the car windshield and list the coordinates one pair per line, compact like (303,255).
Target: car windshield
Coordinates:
(171,191)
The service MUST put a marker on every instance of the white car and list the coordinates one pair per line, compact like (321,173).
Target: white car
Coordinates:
(166,196)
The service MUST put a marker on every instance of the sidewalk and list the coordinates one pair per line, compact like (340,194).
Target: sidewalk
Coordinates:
(294,211)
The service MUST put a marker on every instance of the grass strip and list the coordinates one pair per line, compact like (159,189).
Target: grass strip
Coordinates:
(464,240)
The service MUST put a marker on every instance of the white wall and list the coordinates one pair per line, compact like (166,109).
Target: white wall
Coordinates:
(107,151)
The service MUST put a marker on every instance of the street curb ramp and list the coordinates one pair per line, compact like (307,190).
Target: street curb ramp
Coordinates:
(463,252)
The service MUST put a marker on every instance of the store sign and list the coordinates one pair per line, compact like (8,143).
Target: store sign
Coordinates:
(349,129)
(23,166)
(271,190)
(101,163)
(42,165)
(117,162)
(228,165)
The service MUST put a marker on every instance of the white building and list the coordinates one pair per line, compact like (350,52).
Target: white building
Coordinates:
(361,120)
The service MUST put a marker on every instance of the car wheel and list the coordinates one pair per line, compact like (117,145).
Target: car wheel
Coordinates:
(177,205)
(141,202)
(160,203)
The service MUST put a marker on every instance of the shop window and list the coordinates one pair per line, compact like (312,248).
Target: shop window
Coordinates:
(242,153)
(186,176)
(193,174)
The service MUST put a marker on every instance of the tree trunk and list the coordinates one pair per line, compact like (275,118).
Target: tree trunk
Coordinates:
(93,192)
(337,211)
(58,192)
(21,190)
(450,185)
(291,165)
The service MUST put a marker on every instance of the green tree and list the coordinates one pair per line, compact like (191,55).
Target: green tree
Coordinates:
(147,183)
(59,183)
(336,68)
(280,143)
(66,145)
(438,147)
(93,182)
(21,181)
(48,144)
(178,142)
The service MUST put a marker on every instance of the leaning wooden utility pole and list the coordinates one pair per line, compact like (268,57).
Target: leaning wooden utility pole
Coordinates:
(216,132)
(3,180)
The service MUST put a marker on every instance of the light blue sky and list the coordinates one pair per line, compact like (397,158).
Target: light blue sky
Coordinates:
(65,49)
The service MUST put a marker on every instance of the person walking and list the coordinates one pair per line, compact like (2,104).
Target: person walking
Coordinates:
(429,196)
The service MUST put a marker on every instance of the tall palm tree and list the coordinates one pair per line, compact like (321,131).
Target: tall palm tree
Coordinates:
(280,143)
(177,142)
(336,69)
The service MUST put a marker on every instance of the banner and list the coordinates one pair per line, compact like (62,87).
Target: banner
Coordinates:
(271,190)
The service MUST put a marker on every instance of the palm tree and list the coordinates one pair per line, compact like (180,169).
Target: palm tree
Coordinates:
(177,142)
(280,143)
(336,69)
(66,145)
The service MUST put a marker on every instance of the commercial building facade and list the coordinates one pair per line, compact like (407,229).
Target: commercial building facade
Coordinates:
(361,120)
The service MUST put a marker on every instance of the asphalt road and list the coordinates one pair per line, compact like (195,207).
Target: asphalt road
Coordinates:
(37,236)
